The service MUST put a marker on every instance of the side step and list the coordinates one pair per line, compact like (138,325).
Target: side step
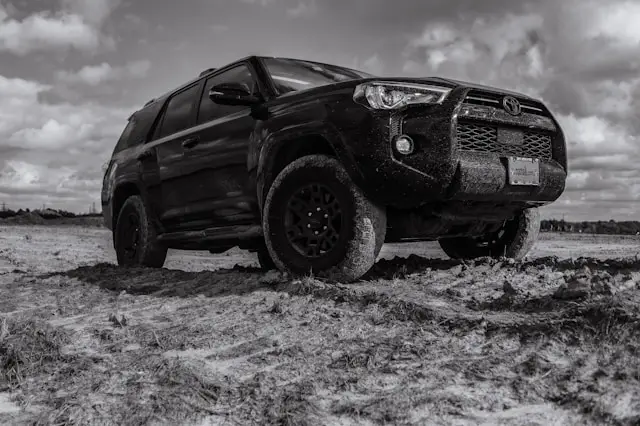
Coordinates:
(239,232)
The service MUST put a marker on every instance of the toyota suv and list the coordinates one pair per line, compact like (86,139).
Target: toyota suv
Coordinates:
(314,167)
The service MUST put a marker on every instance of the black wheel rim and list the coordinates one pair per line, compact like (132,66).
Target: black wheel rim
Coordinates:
(130,235)
(313,220)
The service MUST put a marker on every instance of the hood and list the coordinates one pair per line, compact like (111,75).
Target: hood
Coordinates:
(449,82)
(453,82)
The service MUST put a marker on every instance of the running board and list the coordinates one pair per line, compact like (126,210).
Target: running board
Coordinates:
(239,232)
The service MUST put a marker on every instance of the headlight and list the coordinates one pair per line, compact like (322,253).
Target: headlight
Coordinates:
(387,96)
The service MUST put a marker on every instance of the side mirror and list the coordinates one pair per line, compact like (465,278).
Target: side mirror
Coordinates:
(232,94)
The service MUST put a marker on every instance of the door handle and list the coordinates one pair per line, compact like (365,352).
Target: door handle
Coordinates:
(147,153)
(191,142)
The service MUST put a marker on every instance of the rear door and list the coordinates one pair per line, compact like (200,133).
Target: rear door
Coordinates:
(220,189)
(174,130)
(125,157)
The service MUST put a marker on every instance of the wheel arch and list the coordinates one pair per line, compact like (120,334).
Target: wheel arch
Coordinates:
(282,148)
(122,192)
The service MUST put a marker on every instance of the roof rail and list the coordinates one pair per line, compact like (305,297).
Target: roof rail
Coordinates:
(150,102)
(206,71)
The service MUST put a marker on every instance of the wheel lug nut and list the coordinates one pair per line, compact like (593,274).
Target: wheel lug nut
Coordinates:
(318,209)
(316,232)
(309,213)
(326,216)
(308,225)
(324,227)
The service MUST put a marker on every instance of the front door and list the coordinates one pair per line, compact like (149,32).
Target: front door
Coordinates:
(221,191)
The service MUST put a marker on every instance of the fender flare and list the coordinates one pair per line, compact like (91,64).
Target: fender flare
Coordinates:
(276,141)
(131,181)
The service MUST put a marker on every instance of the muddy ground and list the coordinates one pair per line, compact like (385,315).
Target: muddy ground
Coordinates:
(421,340)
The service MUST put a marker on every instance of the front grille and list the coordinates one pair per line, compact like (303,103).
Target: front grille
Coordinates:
(483,138)
(494,99)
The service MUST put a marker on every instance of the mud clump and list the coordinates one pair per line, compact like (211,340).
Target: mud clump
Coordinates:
(586,283)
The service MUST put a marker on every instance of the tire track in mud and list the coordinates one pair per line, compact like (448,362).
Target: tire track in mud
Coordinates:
(520,313)
(528,346)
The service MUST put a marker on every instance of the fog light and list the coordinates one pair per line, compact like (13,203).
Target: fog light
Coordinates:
(404,145)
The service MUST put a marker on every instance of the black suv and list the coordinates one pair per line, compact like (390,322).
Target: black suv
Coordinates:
(315,166)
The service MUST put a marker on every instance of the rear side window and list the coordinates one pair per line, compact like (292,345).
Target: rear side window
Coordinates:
(136,132)
(178,113)
(125,137)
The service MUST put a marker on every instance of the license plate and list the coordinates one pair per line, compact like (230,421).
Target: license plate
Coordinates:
(524,171)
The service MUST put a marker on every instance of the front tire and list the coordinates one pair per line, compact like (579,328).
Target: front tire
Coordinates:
(316,220)
(135,237)
(514,240)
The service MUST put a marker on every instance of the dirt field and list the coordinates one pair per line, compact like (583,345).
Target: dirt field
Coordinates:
(421,340)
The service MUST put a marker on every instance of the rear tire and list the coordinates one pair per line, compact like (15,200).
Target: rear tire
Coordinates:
(514,240)
(135,237)
(317,221)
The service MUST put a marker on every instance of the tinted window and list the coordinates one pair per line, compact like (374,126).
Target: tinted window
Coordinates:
(124,137)
(137,129)
(177,115)
(208,109)
(290,75)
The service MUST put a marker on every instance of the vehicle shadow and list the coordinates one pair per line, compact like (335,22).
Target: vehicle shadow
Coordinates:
(221,282)
(241,280)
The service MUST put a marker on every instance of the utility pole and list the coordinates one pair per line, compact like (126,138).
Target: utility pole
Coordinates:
(4,206)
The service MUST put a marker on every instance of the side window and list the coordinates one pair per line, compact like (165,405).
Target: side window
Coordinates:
(208,109)
(177,114)
(123,142)
(137,129)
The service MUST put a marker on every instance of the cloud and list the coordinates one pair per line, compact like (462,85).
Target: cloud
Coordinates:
(262,3)
(219,28)
(618,23)
(44,31)
(94,75)
(593,136)
(56,150)
(512,42)
(75,26)
(303,9)
(373,65)
(94,12)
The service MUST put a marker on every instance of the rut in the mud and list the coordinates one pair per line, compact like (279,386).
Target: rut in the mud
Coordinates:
(505,310)
(417,339)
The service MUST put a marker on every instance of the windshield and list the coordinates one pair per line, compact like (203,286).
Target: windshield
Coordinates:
(290,75)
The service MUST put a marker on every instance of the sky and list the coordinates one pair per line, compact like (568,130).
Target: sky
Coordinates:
(72,71)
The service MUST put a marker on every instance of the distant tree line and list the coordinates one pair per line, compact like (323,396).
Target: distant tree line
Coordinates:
(45,214)
(549,225)
(599,227)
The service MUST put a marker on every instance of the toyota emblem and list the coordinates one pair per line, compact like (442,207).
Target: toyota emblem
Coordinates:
(511,105)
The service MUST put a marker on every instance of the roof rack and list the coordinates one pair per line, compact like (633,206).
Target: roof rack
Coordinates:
(150,102)
(206,71)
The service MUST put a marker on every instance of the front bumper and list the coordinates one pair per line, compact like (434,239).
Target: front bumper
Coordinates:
(461,151)
(484,177)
